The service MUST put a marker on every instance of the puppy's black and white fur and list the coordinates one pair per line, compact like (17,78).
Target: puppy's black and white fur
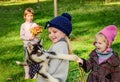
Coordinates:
(37,54)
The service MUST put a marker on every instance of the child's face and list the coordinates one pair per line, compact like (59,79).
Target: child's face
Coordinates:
(55,35)
(101,43)
(29,17)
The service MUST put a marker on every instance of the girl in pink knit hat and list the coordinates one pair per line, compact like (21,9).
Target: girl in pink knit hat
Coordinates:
(103,63)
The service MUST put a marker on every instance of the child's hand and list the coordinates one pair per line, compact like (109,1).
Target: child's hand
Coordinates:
(79,60)
(31,38)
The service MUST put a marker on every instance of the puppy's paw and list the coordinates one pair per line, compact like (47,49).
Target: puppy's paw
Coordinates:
(21,63)
(18,62)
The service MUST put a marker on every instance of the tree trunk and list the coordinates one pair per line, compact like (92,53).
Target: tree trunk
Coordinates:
(38,5)
(107,1)
(55,8)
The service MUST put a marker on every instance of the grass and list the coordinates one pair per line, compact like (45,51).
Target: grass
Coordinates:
(87,20)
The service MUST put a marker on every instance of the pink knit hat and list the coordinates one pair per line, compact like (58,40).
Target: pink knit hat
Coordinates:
(109,32)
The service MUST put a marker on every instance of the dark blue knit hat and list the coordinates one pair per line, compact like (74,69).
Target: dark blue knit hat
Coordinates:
(63,23)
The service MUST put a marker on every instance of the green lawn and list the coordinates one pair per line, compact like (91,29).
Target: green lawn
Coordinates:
(87,20)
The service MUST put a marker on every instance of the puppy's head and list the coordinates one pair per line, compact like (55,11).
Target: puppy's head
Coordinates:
(36,52)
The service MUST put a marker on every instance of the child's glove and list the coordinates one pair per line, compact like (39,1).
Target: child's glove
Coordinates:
(35,30)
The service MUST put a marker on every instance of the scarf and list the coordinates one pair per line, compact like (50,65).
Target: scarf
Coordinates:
(104,56)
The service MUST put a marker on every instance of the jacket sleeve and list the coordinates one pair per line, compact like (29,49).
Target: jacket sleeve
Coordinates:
(22,32)
(87,64)
(59,68)
(115,63)
(115,74)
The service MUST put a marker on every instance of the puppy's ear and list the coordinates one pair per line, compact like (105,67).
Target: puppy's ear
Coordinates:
(29,47)
(40,42)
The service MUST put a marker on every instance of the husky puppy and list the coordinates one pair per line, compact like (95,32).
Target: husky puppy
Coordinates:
(37,54)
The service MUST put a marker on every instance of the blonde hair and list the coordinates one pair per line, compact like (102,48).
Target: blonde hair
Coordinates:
(69,45)
(102,37)
(27,11)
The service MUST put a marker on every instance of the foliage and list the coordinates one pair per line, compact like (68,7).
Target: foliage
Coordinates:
(87,20)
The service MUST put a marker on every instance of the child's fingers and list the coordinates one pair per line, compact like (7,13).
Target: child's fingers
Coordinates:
(79,60)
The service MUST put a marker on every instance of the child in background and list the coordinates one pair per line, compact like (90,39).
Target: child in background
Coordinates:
(103,62)
(59,29)
(28,33)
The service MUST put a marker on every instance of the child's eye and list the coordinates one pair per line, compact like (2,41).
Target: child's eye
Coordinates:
(100,43)
(49,32)
(55,31)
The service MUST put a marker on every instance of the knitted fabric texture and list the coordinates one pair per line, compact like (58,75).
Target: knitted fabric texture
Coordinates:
(62,23)
(109,32)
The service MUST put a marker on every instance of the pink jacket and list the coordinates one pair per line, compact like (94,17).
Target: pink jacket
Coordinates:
(25,33)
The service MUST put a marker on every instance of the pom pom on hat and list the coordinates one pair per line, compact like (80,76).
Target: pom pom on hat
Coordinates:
(62,23)
(67,16)
(109,32)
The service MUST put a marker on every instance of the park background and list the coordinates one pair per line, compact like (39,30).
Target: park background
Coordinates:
(88,17)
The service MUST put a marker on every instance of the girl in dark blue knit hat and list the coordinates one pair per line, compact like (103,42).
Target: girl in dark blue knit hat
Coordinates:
(59,29)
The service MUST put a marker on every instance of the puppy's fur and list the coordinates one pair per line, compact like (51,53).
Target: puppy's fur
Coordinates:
(37,54)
